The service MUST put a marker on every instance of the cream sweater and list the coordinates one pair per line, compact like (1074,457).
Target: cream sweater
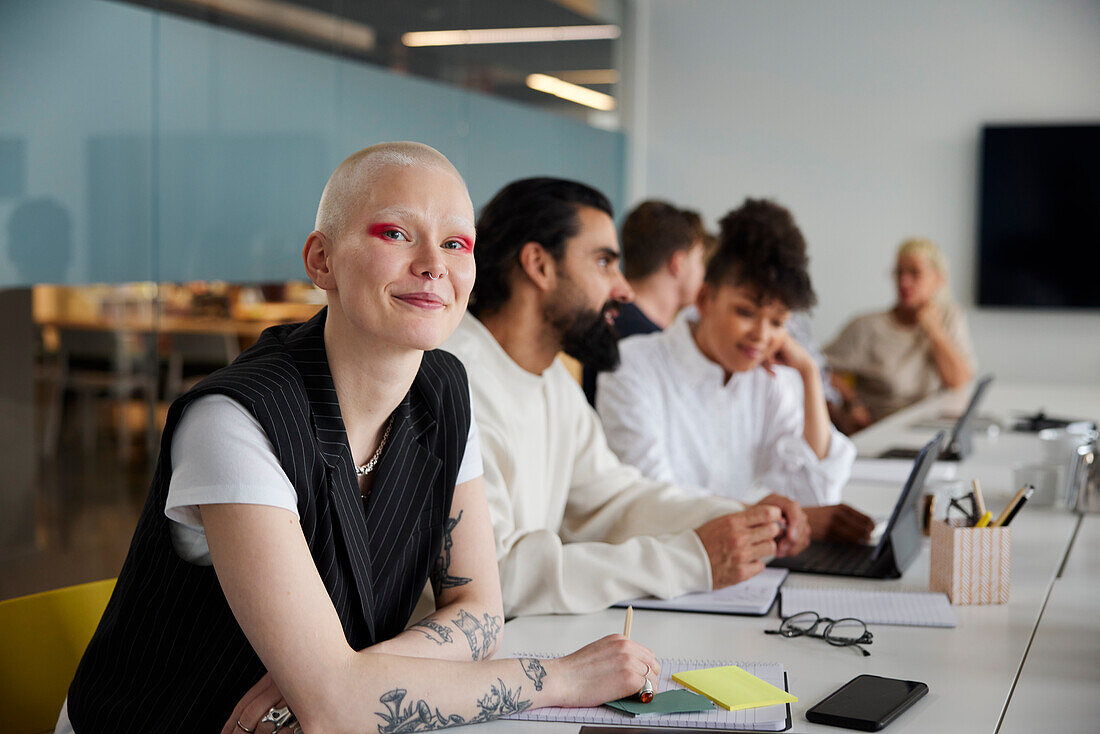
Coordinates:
(576,529)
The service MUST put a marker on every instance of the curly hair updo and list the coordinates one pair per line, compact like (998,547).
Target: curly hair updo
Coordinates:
(761,247)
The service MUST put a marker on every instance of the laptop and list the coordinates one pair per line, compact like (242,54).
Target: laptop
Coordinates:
(897,547)
(959,446)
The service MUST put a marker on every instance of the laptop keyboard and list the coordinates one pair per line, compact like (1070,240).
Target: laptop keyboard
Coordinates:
(838,558)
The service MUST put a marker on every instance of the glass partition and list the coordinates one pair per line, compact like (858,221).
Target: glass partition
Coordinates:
(160,166)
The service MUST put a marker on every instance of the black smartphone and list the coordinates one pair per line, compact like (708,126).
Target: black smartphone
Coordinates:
(867,702)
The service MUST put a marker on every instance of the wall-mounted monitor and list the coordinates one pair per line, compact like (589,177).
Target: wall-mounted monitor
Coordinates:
(1039,221)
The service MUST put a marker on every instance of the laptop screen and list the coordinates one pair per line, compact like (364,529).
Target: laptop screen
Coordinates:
(962,425)
(903,531)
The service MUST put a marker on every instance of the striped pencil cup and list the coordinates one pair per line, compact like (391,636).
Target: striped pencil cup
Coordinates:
(970,565)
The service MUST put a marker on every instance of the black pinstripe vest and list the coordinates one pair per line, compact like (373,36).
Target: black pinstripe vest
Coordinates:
(168,654)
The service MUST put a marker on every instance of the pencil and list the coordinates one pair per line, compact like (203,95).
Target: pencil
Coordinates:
(979,502)
(629,620)
(1007,511)
(1019,505)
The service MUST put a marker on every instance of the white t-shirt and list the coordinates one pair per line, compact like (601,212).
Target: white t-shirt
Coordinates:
(221,455)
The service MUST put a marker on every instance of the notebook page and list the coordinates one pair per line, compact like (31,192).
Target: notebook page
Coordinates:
(896,471)
(907,608)
(765,718)
(752,596)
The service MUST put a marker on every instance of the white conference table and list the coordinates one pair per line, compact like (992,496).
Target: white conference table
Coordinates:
(985,670)
(1059,686)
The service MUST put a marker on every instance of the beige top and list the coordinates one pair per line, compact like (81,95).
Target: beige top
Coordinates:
(576,529)
(893,363)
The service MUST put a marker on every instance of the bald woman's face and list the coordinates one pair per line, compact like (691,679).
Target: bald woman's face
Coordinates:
(403,267)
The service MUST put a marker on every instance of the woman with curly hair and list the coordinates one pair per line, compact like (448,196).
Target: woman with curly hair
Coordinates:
(725,399)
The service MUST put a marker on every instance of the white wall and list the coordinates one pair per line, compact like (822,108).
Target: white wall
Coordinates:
(863,117)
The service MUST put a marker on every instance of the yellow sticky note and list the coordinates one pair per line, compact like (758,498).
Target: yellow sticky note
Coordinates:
(732,688)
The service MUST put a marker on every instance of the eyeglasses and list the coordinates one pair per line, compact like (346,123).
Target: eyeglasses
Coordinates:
(846,632)
(969,512)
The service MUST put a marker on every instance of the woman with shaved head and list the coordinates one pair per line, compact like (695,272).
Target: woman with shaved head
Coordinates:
(304,496)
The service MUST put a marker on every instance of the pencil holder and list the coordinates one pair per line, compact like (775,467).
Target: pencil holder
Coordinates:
(971,565)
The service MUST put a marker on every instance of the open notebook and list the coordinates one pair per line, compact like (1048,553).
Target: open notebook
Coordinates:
(765,718)
(895,471)
(754,596)
(908,608)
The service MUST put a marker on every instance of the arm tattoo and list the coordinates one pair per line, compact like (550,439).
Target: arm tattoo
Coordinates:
(419,716)
(441,573)
(534,670)
(427,627)
(482,635)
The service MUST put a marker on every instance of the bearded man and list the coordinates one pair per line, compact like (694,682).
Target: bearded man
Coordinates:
(577,530)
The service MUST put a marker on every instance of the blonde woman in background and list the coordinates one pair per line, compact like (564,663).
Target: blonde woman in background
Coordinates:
(887,360)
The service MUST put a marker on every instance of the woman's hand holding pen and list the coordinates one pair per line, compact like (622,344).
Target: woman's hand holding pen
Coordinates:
(608,669)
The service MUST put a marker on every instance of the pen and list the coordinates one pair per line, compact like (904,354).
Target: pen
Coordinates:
(645,695)
(1021,503)
(1011,504)
(986,517)
(979,502)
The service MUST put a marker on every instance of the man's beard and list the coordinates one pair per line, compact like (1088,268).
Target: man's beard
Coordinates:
(587,337)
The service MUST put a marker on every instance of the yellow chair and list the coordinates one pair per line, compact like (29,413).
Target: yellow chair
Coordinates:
(42,637)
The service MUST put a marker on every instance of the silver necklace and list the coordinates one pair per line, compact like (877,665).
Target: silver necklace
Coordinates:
(362,471)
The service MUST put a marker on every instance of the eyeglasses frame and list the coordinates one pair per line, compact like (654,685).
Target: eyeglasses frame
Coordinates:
(789,631)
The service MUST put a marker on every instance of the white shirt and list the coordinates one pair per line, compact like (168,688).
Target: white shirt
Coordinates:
(669,411)
(576,529)
(221,455)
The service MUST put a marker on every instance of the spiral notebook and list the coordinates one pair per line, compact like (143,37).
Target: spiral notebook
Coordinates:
(764,718)
(907,608)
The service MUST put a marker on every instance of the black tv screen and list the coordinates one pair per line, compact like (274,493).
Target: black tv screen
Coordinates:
(1039,225)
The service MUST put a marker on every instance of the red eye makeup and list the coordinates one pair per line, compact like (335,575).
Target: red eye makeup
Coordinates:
(380,229)
(466,242)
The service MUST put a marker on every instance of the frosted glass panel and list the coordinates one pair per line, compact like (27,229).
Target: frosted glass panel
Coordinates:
(136,145)
(71,72)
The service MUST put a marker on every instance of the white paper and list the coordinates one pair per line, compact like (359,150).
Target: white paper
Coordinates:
(753,596)
(908,608)
(896,471)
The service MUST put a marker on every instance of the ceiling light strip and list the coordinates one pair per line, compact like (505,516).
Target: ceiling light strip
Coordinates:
(572,92)
(478,36)
(302,21)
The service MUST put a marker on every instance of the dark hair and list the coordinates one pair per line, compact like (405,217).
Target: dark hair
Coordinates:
(760,246)
(653,233)
(542,210)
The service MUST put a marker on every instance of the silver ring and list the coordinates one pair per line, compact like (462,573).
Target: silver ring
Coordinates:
(277,716)
(433,277)
(647,687)
(243,728)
